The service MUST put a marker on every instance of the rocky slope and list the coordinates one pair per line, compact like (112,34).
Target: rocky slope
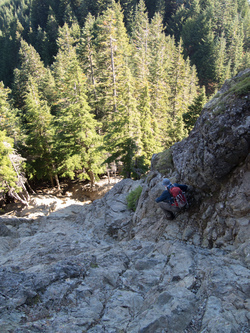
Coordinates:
(73,267)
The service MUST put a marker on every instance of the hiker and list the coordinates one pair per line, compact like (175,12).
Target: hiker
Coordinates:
(168,202)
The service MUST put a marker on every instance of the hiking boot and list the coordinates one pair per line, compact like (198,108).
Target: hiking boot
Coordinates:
(170,216)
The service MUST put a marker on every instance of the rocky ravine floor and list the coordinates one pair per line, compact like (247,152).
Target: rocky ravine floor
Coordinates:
(68,267)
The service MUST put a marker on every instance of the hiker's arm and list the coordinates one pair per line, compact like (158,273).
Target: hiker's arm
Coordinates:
(164,196)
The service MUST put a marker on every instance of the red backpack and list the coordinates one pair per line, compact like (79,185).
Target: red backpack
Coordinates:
(180,199)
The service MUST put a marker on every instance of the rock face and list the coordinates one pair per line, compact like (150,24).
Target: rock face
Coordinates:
(220,139)
(66,266)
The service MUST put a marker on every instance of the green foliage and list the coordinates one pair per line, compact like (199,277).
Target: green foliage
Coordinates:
(242,87)
(201,24)
(194,110)
(8,114)
(133,198)
(87,86)
(30,66)
(8,176)
(77,140)
(215,41)
(39,132)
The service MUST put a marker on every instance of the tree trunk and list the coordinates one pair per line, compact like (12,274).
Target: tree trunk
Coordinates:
(30,188)
(56,178)
(15,196)
(20,181)
(57,182)
(92,178)
(113,73)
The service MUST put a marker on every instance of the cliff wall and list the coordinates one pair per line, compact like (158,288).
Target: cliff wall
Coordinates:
(214,160)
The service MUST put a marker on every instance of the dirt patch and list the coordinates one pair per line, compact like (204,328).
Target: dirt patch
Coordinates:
(48,199)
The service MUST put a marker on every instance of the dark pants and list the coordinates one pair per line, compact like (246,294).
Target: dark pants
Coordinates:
(168,209)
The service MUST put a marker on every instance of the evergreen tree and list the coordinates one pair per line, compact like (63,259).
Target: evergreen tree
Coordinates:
(69,16)
(39,13)
(103,5)
(244,10)
(112,52)
(39,135)
(107,63)
(217,24)
(123,137)
(140,40)
(8,114)
(77,138)
(177,21)
(47,89)
(199,45)
(194,110)
(183,85)
(221,61)
(51,37)
(10,43)
(116,90)
(235,49)
(149,126)
(30,65)
(87,57)
(161,50)
(11,180)
(40,40)
(128,7)
(8,176)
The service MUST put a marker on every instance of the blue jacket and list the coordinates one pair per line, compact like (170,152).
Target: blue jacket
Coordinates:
(166,196)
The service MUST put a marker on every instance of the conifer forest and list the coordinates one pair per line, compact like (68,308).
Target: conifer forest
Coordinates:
(84,83)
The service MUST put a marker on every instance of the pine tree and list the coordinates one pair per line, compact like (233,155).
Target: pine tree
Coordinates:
(10,43)
(140,40)
(87,57)
(149,126)
(112,52)
(107,63)
(141,68)
(40,40)
(39,13)
(30,65)
(116,93)
(235,49)
(77,138)
(194,110)
(199,45)
(161,50)
(183,85)
(177,20)
(103,5)
(128,7)
(8,177)
(51,36)
(123,137)
(221,61)
(11,180)
(39,134)
(9,120)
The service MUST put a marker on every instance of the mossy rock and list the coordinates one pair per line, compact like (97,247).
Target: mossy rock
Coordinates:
(163,162)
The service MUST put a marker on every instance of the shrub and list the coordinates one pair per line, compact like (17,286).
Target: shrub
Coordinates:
(133,198)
